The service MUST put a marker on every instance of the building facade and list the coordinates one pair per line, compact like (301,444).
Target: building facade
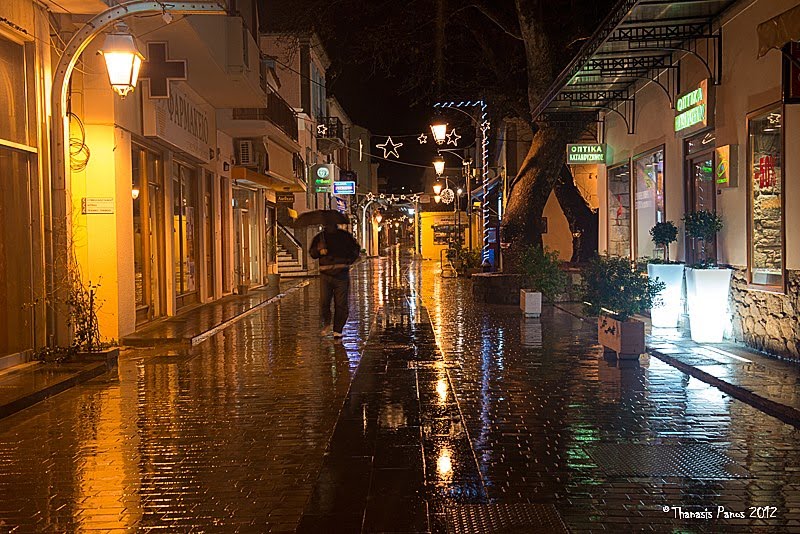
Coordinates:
(706,127)
(25,59)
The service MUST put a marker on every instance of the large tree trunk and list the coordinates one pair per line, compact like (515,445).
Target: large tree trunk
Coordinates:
(583,220)
(537,176)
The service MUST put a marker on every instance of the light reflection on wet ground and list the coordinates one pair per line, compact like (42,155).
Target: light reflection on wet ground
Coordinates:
(267,422)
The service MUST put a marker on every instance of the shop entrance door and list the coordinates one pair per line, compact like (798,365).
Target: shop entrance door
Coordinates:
(701,195)
(242,256)
(208,233)
(148,232)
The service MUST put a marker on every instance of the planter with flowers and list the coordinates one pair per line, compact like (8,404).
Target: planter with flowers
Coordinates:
(615,290)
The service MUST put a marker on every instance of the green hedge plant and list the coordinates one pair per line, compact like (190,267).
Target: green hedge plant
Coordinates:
(702,225)
(663,234)
(614,286)
(542,272)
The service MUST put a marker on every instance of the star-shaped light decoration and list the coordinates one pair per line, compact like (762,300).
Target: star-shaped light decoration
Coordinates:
(390,148)
(322,129)
(423,139)
(485,126)
(453,137)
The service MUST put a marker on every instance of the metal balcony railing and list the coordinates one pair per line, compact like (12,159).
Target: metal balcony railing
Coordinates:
(330,128)
(277,112)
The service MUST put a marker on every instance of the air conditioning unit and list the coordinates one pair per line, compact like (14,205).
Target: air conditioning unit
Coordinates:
(245,155)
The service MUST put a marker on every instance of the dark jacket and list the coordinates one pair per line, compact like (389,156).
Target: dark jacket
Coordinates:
(342,248)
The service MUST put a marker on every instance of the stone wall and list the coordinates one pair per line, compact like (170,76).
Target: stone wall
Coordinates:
(767,321)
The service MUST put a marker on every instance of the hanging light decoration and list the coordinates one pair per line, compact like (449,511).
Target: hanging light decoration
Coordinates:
(123,60)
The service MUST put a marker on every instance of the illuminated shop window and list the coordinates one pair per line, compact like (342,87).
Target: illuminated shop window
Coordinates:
(619,210)
(765,190)
(648,204)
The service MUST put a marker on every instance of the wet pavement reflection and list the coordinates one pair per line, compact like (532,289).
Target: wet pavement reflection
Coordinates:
(433,412)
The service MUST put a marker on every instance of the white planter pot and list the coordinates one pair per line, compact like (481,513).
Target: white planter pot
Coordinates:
(707,296)
(666,314)
(530,302)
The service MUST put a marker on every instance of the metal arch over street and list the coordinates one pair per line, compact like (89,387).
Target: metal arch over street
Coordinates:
(56,211)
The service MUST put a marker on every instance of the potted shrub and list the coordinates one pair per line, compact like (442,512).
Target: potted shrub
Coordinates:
(707,286)
(667,309)
(615,291)
(543,278)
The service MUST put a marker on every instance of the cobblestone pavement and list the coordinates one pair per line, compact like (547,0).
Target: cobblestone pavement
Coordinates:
(452,417)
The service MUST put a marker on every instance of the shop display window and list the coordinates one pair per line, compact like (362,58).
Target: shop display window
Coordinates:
(619,210)
(765,190)
(648,207)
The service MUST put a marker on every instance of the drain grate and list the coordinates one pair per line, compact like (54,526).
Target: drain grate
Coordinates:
(505,518)
(655,460)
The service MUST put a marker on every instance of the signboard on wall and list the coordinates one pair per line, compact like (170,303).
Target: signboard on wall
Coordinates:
(727,171)
(586,153)
(284,198)
(344,188)
(694,110)
(97,205)
(184,120)
(324,176)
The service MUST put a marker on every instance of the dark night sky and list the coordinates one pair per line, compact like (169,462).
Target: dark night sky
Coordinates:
(375,103)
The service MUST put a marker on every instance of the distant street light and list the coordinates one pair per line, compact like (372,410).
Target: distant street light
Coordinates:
(437,188)
(378,217)
(438,165)
(123,60)
(439,131)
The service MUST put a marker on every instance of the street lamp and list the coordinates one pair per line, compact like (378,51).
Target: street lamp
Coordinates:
(439,131)
(438,165)
(123,60)
(437,188)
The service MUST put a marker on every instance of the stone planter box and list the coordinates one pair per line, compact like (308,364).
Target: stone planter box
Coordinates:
(530,302)
(624,338)
(109,356)
(497,288)
(707,296)
(669,312)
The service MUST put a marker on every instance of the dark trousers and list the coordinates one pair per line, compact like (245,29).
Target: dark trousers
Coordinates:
(336,288)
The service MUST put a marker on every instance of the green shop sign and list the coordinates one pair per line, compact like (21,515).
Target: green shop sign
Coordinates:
(323,175)
(584,153)
(691,110)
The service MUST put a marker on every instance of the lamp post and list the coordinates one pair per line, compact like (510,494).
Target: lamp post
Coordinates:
(481,123)
(439,165)
(122,62)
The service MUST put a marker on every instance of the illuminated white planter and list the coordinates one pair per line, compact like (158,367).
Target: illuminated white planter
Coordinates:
(530,302)
(667,313)
(707,297)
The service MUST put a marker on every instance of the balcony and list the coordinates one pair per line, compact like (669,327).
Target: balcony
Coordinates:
(277,112)
(330,135)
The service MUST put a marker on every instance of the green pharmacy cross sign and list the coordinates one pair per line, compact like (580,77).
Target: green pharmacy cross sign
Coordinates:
(585,153)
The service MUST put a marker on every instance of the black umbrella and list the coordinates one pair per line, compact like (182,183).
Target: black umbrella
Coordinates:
(321,218)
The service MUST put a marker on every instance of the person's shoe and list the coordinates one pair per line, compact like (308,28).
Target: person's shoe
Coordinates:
(326,331)
(338,335)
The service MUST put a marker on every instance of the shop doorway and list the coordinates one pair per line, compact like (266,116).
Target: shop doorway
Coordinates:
(700,189)
(208,233)
(148,233)
(184,220)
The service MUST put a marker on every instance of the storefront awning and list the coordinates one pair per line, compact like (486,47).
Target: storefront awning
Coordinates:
(638,43)
(269,181)
(779,30)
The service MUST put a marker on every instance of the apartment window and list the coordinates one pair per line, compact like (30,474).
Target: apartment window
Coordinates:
(619,210)
(765,197)
(648,206)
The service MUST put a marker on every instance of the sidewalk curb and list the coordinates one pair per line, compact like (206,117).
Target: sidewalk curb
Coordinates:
(785,413)
(196,340)
(27,401)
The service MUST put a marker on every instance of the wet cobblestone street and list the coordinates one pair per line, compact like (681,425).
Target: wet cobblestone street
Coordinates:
(434,414)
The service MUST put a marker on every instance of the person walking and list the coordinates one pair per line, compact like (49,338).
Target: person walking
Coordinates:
(336,250)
